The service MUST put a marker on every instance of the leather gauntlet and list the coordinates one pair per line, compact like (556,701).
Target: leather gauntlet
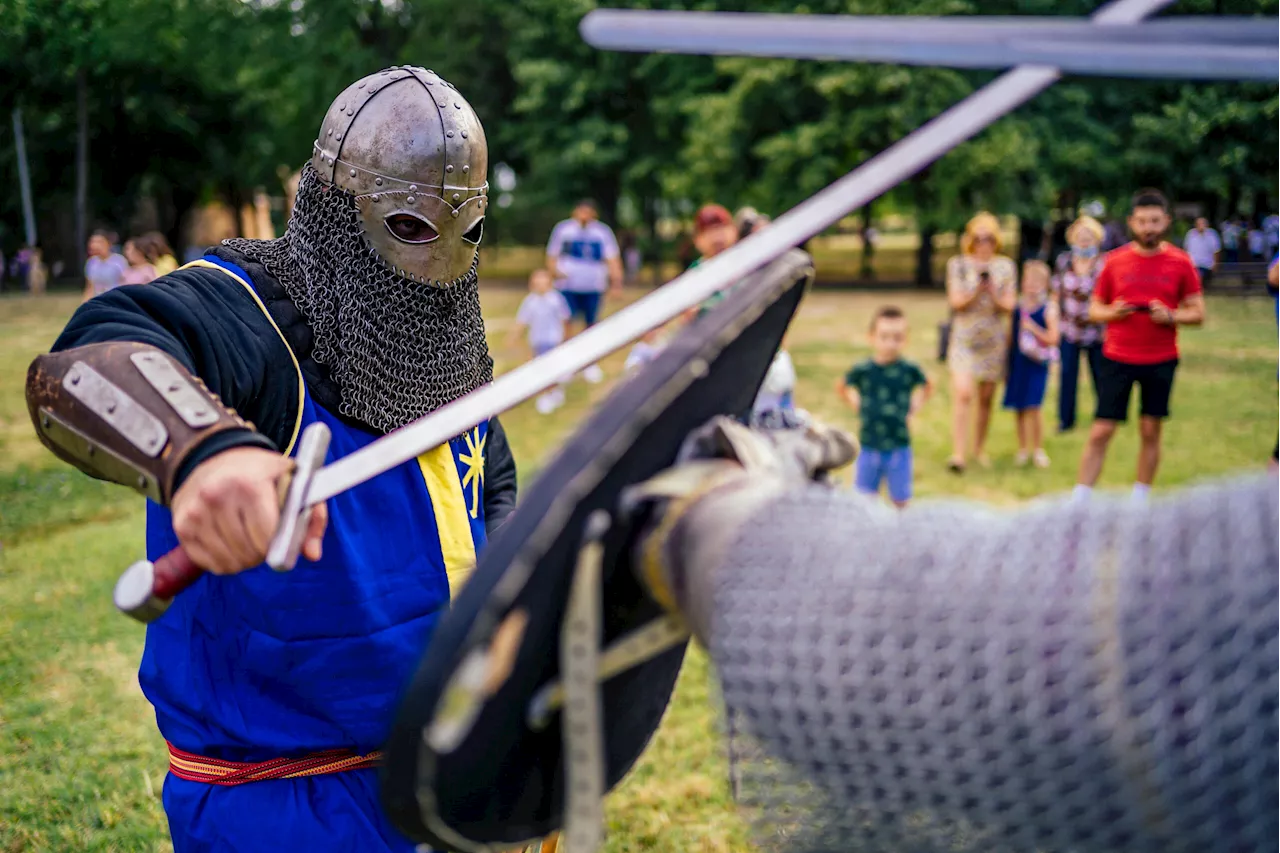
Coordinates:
(124,412)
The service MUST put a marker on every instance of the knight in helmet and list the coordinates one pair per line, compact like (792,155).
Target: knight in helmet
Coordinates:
(274,690)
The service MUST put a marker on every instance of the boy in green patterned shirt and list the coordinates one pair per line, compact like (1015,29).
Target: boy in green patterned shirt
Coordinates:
(886,390)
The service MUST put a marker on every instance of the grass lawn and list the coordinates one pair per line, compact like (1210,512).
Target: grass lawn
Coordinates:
(81,764)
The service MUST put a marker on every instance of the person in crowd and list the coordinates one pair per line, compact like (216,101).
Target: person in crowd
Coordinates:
(714,230)
(1232,234)
(1202,243)
(1257,243)
(1114,235)
(1145,291)
(886,390)
(159,255)
(543,314)
(981,291)
(749,220)
(583,256)
(1035,335)
(104,270)
(1271,236)
(631,257)
(645,350)
(1077,273)
(778,390)
(140,271)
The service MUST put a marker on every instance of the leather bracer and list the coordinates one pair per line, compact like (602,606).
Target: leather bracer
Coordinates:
(124,412)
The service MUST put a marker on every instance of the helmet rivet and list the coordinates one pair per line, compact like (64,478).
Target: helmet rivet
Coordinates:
(342,106)
(444,104)
(464,134)
(457,106)
(374,196)
(353,173)
(351,112)
(378,181)
(466,168)
(361,86)
(372,89)
(331,131)
(448,168)
(456,196)
(338,137)
(455,213)
(409,200)
(429,71)
(413,188)
(449,134)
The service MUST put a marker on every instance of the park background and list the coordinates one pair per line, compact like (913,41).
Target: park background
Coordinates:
(140,114)
(145,114)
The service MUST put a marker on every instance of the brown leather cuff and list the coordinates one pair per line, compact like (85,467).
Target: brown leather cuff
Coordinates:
(125,412)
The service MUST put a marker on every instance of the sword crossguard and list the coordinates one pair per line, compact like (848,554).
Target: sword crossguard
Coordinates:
(146,588)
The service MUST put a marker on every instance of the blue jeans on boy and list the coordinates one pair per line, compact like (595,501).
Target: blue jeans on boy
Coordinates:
(1070,379)
(874,466)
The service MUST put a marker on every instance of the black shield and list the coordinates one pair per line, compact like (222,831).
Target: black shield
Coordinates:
(503,784)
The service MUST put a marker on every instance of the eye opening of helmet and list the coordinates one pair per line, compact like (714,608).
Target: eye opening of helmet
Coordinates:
(475,232)
(410,228)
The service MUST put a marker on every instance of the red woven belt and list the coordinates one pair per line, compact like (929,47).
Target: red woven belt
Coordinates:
(215,771)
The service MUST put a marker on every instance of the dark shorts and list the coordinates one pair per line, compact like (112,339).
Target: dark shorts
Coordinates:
(1115,383)
(581,304)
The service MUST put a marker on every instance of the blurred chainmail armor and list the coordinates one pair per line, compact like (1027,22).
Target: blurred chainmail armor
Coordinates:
(397,349)
(1063,679)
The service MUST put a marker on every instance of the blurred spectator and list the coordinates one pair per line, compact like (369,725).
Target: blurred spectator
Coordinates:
(1203,244)
(1271,230)
(1114,235)
(157,252)
(1232,234)
(104,270)
(1035,347)
(748,221)
(631,258)
(582,255)
(982,289)
(645,350)
(1257,244)
(713,231)
(1077,273)
(139,271)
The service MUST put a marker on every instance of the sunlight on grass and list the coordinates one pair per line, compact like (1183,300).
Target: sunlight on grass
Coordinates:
(81,763)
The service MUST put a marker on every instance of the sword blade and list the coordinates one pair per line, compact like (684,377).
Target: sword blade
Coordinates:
(1234,49)
(870,180)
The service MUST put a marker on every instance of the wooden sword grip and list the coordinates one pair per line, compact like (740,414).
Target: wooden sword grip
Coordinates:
(146,588)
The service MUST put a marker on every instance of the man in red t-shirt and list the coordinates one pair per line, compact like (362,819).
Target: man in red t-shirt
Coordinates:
(1147,288)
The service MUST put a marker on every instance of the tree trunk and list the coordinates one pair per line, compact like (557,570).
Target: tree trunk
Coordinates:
(24,180)
(924,257)
(82,167)
(655,242)
(924,254)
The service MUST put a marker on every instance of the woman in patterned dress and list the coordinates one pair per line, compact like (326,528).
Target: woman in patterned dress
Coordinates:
(981,290)
(1077,272)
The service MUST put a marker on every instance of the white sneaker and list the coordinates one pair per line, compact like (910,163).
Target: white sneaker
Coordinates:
(1021,459)
(1041,459)
(593,374)
(545,404)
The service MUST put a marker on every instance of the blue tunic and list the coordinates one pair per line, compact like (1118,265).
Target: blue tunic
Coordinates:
(263,665)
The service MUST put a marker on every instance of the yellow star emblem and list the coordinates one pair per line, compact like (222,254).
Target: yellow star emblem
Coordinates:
(474,460)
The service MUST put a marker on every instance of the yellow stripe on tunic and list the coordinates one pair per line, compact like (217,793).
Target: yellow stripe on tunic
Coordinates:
(452,520)
(297,422)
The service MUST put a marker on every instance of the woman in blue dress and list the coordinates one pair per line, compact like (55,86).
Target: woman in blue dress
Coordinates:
(1035,333)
